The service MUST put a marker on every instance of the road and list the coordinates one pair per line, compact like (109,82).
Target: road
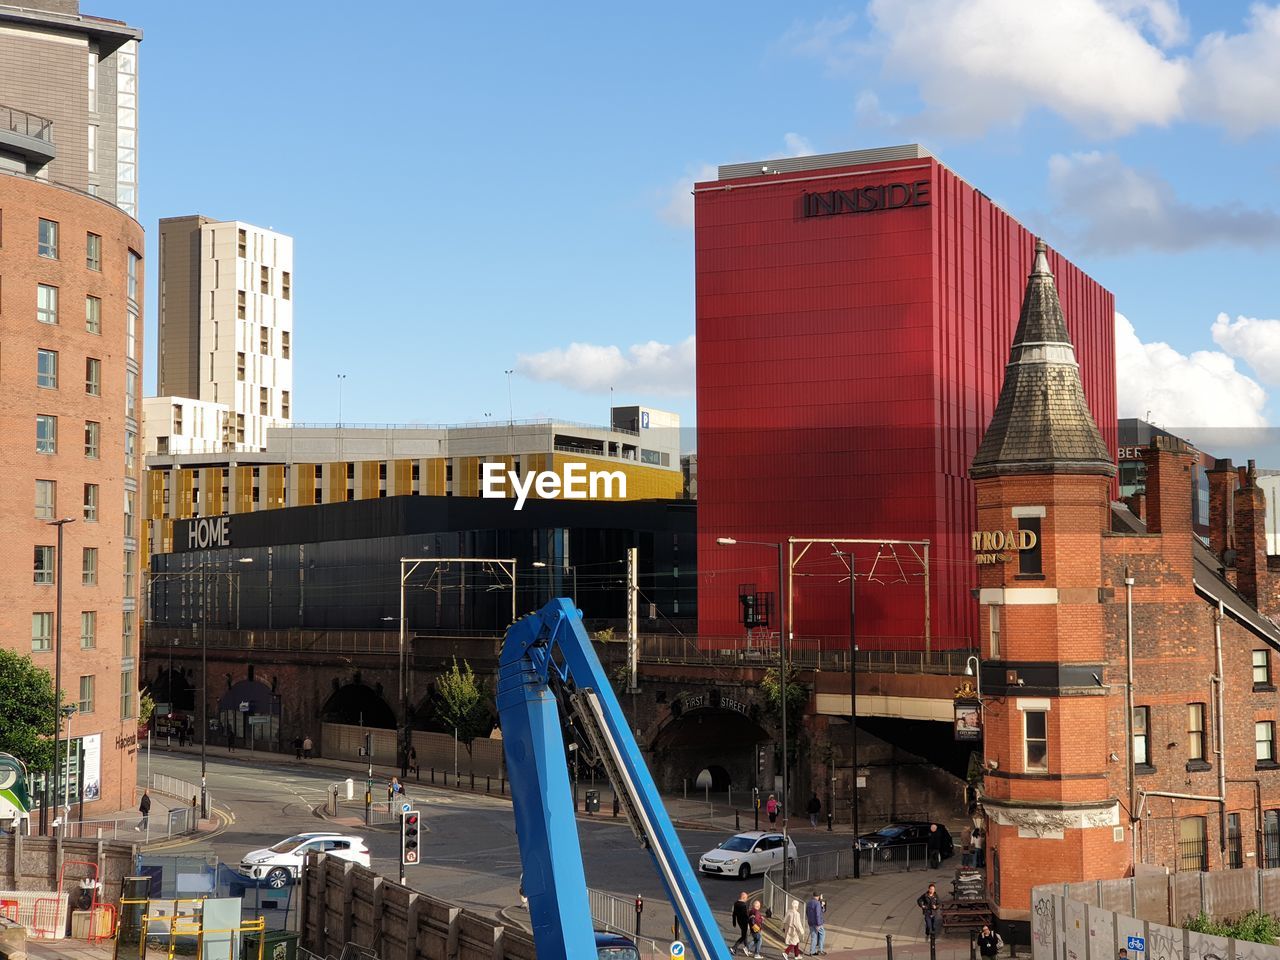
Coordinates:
(470,854)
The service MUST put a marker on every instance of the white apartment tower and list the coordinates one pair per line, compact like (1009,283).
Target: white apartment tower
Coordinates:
(226,335)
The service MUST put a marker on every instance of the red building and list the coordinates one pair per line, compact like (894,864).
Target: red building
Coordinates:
(854,317)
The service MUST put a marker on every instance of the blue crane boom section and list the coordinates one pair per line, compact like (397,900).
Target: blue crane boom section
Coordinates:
(543,653)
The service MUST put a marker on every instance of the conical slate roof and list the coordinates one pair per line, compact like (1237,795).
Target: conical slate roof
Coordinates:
(1042,423)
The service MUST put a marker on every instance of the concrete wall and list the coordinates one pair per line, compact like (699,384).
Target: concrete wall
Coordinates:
(1175,898)
(343,903)
(30,863)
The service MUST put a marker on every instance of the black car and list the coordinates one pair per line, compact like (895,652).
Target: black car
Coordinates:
(887,842)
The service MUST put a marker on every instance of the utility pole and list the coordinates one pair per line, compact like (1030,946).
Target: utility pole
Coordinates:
(633,603)
(853,708)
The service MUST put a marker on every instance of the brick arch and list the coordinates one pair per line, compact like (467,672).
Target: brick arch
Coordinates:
(356,702)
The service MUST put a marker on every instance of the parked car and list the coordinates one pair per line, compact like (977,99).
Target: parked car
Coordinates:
(612,946)
(888,841)
(746,853)
(282,863)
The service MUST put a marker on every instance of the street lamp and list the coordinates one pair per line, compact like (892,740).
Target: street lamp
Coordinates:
(782,682)
(57,661)
(973,668)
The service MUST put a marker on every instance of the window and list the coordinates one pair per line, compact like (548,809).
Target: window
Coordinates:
(93,81)
(88,629)
(126,633)
(1262,668)
(93,251)
(46,303)
(92,144)
(1264,741)
(91,502)
(177,418)
(131,335)
(86,694)
(47,245)
(240,306)
(130,394)
(264,279)
(130,571)
(284,343)
(1235,853)
(284,404)
(1037,738)
(92,439)
(239,366)
(1270,839)
(993,612)
(1029,559)
(239,428)
(89,567)
(130,448)
(43,570)
(162,447)
(134,261)
(126,695)
(242,244)
(93,377)
(264,401)
(1142,736)
(128,513)
(93,314)
(264,339)
(286,286)
(46,499)
(42,631)
(1195,731)
(46,433)
(47,369)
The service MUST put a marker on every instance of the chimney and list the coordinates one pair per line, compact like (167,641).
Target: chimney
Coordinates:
(1137,504)
(1222,488)
(1168,461)
(1253,579)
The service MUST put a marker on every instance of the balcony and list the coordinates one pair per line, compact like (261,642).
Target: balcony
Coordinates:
(27,135)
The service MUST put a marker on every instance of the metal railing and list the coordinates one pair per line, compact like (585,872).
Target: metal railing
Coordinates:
(178,789)
(1193,855)
(838,865)
(27,124)
(465,425)
(618,915)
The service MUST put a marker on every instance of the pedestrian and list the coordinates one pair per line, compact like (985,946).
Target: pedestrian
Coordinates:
(757,928)
(413,760)
(792,930)
(815,915)
(394,789)
(182,734)
(980,847)
(144,808)
(1123,954)
(741,920)
(297,748)
(231,740)
(930,906)
(814,807)
(933,846)
(771,808)
(306,749)
(989,942)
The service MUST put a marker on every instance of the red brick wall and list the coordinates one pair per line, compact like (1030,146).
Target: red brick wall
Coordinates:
(22,203)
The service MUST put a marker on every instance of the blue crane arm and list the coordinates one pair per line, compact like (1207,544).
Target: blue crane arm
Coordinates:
(542,652)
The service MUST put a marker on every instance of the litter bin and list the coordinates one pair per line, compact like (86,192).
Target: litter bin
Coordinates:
(593,801)
(276,945)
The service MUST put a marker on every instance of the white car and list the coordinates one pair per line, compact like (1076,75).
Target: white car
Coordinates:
(746,853)
(282,863)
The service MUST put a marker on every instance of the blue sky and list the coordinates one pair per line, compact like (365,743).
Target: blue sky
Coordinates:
(477,187)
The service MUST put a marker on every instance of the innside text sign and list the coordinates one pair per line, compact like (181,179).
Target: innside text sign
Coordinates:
(885,196)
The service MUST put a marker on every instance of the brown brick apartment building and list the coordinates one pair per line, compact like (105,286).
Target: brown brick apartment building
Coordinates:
(71,329)
(1128,669)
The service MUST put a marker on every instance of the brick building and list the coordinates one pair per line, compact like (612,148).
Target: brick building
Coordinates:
(70,321)
(1127,668)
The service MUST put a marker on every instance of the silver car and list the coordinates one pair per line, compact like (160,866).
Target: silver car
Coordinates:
(746,853)
(282,863)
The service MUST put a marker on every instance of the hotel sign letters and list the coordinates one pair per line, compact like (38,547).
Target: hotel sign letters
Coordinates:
(887,196)
(1000,546)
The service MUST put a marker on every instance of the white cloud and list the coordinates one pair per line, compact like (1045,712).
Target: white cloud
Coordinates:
(868,112)
(1237,81)
(1114,208)
(1194,394)
(979,63)
(677,208)
(797,146)
(652,367)
(1160,17)
(829,39)
(1256,342)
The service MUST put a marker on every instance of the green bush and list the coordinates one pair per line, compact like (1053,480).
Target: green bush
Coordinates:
(1254,927)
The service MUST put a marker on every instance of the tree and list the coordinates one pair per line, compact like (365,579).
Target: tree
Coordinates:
(461,702)
(26,723)
(146,707)
(797,700)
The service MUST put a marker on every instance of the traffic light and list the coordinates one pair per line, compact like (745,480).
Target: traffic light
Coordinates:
(409,824)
